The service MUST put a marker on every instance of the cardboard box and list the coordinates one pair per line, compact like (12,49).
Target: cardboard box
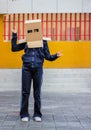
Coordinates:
(33,32)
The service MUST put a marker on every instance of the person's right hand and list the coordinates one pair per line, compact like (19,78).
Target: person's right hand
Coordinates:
(14,30)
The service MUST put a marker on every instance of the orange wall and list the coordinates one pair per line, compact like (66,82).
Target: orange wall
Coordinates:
(76,55)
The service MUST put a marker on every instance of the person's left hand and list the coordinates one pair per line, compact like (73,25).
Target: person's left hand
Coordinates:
(59,54)
(14,30)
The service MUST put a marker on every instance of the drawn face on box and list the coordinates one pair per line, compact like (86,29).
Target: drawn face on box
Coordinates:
(33,30)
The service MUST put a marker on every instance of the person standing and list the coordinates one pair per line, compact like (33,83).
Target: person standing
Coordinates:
(32,69)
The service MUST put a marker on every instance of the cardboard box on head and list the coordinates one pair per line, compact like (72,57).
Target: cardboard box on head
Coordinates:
(33,32)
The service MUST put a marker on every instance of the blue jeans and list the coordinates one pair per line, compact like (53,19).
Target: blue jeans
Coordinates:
(29,74)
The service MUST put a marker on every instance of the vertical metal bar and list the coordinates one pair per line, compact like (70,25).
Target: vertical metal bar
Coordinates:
(51,26)
(60,26)
(18,26)
(28,16)
(70,26)
(80,23)
(56,26)
(13,20)
(32,16)
(75,35)
(85,26)
(47,25)
(37,16)
(4,27)
(9,27)
(65,26)
(90,26)
(23,26)
(42,24)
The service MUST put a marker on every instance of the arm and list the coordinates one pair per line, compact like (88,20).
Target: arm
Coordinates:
(14,46)
(47,54)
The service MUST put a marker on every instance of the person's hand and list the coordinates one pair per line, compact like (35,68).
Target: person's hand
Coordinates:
(59,54)
(14,30)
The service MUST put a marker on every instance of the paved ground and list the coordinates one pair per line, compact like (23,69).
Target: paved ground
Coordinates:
(63,108)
